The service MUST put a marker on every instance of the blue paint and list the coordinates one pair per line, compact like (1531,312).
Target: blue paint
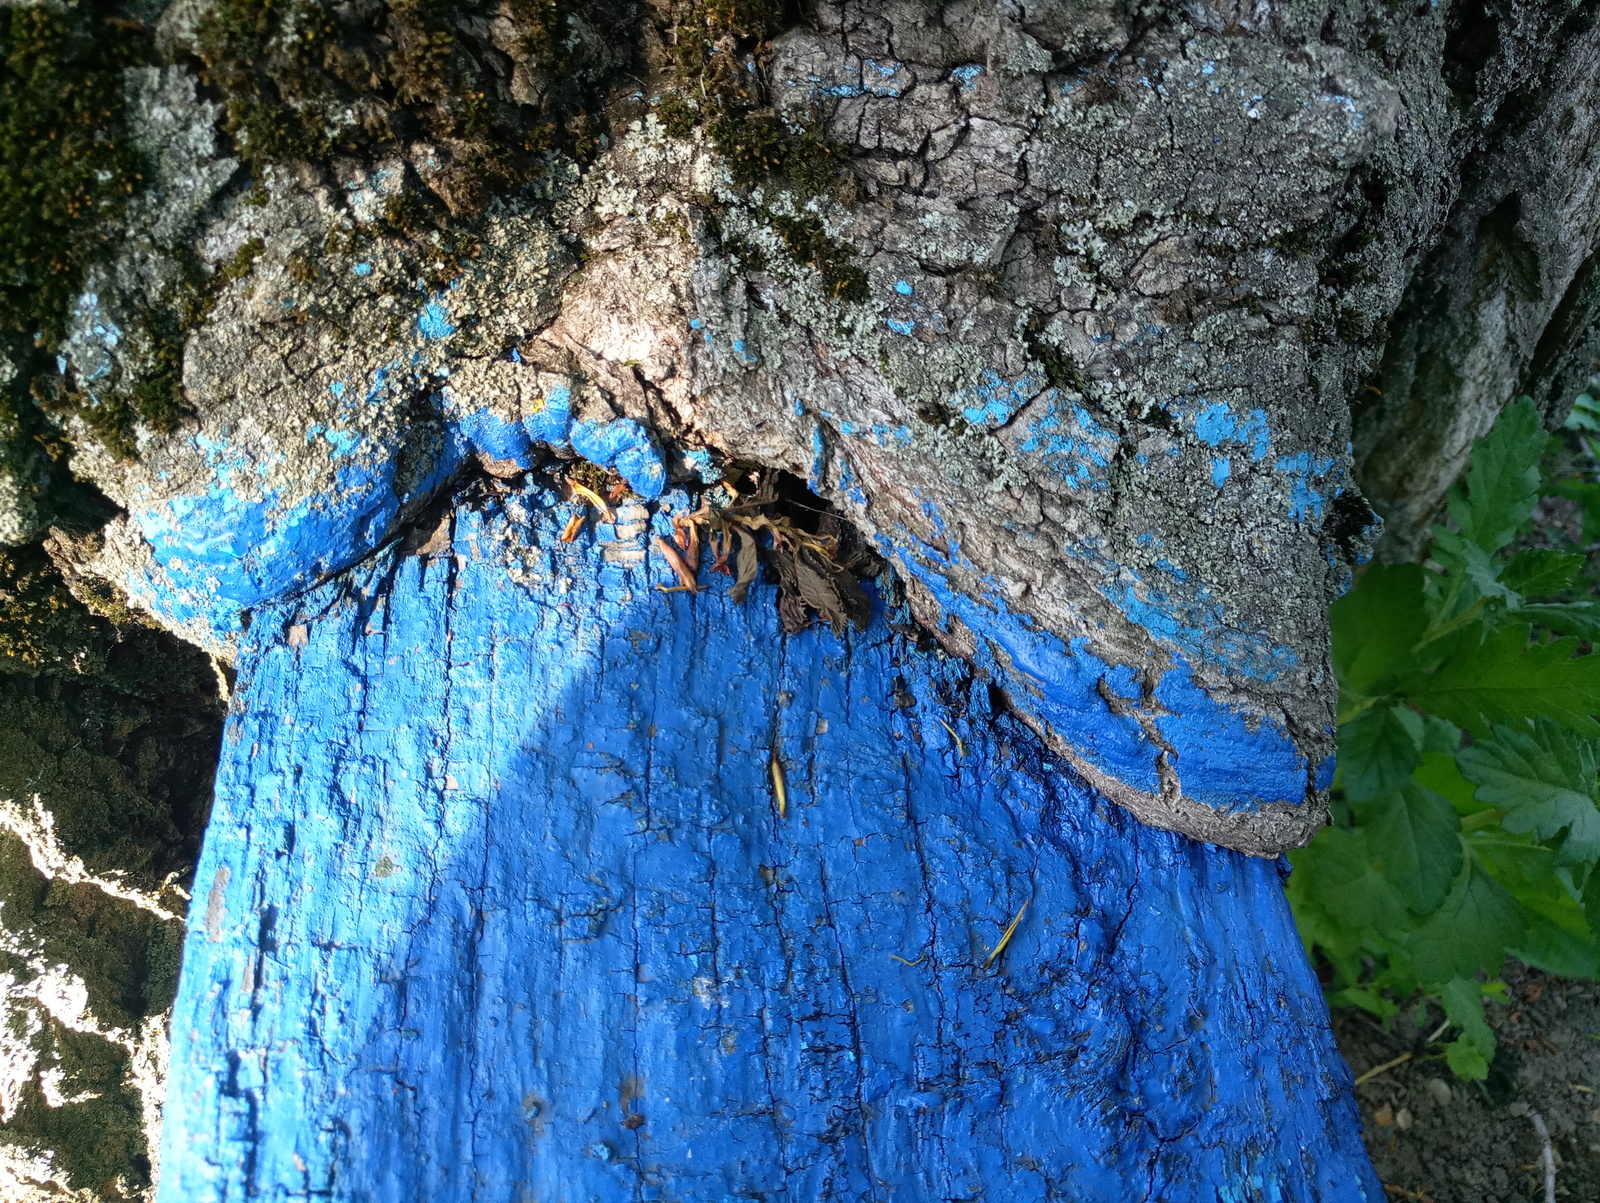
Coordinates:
(900,325)
(1306,501)
(994,400)
(704,465)
(343,442)
(494,436)
(1223,761)
(1220,468)
(1215,423)
(434,321)
(626,446)
(550,419)
(1323,775)
(512,875)
(1070,444)
(902,287)
(362,269)
(1195,622)
(241,543)
(967,75)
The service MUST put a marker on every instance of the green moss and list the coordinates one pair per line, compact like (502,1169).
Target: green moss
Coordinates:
(146,385)
(808,242)
(1059,369)
(1352,325)
(98,1144)
(717,46)
(66,172)
(304,80)
(45,629)
(65,164)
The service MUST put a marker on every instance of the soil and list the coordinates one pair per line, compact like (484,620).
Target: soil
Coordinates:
(1434,1137)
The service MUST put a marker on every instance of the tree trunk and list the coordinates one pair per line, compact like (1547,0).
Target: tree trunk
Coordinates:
(1064,310)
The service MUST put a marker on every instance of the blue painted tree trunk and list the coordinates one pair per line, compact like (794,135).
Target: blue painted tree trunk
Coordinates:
(498,902)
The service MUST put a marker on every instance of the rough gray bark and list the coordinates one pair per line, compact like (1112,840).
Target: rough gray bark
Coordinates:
(1507,301)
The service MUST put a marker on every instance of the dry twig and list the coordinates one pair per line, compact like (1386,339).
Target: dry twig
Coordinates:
(1378,1069)
(1537,1121)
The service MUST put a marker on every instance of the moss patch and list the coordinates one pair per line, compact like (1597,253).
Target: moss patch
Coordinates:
(488,87)
(65,167)
(719,52)
(66,172)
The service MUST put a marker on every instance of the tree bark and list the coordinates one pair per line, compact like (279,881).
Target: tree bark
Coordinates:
(1089,317)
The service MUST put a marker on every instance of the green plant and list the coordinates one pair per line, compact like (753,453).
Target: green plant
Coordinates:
(1465,826)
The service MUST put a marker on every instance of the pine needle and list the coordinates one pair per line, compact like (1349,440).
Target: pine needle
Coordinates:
(779,787)
(1005,937)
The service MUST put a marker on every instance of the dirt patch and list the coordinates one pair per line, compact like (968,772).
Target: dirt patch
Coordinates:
(1436,1138)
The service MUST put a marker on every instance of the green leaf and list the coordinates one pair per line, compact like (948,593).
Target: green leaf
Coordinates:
(1465,560)
(1438,735)
(1585,414)
(1367,999)
(1542,571)
(1550,944)
(1413,835)
(1465,1061)
(1503,482)
(1471,930)
(1504,680)
(1378,751)
(1581,619)
(1545,780)
(1336,874)
(1517,861)
(1376,625)
(1591,899)
(1468,1056)
(1440,773)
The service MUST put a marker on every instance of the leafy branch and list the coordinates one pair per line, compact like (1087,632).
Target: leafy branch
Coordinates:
(1466,816)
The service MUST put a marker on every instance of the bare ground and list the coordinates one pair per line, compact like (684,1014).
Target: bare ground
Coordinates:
(1433,1137)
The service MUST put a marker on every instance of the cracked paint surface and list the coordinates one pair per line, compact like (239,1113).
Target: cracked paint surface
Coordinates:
(497,904)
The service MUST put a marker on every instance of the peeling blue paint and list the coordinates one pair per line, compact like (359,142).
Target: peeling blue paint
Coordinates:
(703,464)
(1071,445)
(1304,471)
(900,325)
(1215,423)
(551,421)
(1196,623)
(241,543)
(1224,762)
